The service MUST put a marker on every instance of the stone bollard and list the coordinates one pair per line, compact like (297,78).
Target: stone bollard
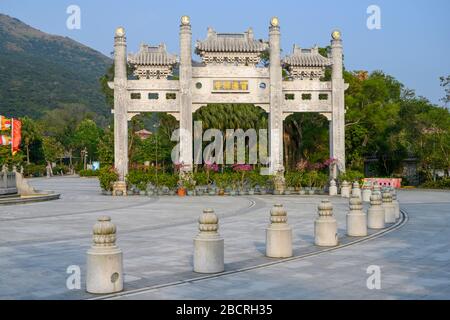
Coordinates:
(333,188)
(375,214)
(325,226)
(104,260)
(345,190)
(389,209)
(376,189)
(395,203)
(356,219)
(366,193)
(356,191)
(278,234)
(208,245)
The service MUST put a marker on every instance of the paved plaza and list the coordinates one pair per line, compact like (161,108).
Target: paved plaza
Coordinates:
(39,241)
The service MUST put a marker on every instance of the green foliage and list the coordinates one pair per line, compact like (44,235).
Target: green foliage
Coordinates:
(138,178)
(107,176)
(438,184)
(87,135)
(295,179)
(34,170)
(42,72)
(201,178)
(53,149)
(351,176)
(89,173)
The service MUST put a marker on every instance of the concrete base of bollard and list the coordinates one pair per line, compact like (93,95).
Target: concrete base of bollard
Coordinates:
(356,224)
(208,255)
(397,209)
(345,192)
(389,213)
(104,271)
(279,242)
(333,191)
(325,231)
(375,218)
(366,193)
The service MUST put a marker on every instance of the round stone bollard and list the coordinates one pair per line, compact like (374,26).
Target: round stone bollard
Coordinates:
(376,189)
(333,188)
(366,193)
(325,226)
(395,203)
(356,191)
(104,260)
(375,214)
(278,234)
(389,208)
(208,245)
(356,219)
(345,190)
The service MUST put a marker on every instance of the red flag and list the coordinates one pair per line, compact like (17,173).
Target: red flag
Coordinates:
(16,136)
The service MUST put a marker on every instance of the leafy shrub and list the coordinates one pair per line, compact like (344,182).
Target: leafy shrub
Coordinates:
(438,184)
(88,173)
(57,170)
(139,178)
(107,176)
(294,179)
(201,178)
(34,170)
(351,176)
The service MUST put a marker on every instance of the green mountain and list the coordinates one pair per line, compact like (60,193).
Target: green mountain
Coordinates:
(39,72)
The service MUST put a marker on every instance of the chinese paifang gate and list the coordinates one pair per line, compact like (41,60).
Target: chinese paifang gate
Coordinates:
(229,72)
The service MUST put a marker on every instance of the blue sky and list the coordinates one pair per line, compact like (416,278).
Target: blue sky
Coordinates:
(413,43)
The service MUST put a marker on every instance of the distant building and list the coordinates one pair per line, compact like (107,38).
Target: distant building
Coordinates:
(143,134)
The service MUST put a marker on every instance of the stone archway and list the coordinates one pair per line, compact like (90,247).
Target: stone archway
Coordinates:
(229,72)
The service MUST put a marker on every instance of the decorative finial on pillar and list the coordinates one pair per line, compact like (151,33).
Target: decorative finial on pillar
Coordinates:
(275,22)
(336,35)
(325,209)
(185,20)
(278,214)
(208,222)
(120,32)
(104,232)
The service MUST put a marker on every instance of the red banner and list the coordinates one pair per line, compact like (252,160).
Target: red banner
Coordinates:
(16,136)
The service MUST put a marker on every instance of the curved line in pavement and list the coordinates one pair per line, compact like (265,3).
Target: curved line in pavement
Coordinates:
(400,223)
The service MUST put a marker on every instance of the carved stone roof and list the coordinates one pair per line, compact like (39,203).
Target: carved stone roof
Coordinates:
(306,58)
(152,56)
(230,42)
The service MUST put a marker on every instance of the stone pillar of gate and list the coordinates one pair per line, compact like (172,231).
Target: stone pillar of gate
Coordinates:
(275,116)
(120,108)
(337,123)
(186,152)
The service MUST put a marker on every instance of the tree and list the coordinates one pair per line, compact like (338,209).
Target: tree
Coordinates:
(30,133)
(445,83)
(87,136)
(53,149)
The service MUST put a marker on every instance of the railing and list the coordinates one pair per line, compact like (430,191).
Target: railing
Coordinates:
(8,183)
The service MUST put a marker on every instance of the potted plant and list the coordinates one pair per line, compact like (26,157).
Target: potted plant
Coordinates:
(242,170)
(221,180)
